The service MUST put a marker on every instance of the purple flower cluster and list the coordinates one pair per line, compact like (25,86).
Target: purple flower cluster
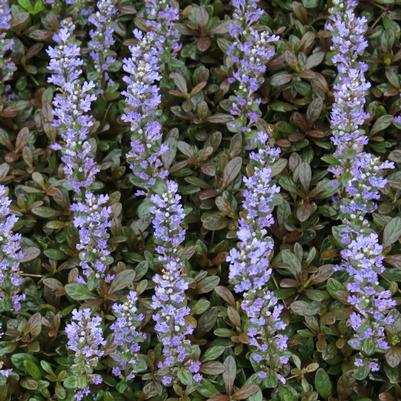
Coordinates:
(143,92)
(360,175)
(92,219)
(71,109)
(102,38)
(126,337)
(7,67)
(142,112)
(249,262)
(142,100)
(169,300)
(249,265)
(4,373)
(250,50)
(85,339)
(11,257)
(161,17)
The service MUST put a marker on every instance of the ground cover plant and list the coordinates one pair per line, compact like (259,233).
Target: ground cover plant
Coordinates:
(200,200)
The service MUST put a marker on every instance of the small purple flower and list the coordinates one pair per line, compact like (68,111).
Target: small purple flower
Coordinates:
(250,50)
(92,218)
(169,301)
(143,92)
(4,373)
(360,176)
(102,38)
(11,257)
(72,107)
(126,337)
(250,270)
(85,339)
(142,101)
(7,67)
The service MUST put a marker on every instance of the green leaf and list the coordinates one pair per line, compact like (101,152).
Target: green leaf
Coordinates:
(184,377)
(381,124)
(123,280)
(310,3)
(282,106)
(54,254)
(32,369)
(323,383)
(392,231)
(26,5)
(18,360)
(333,287)
(230,372)
(213,353)
(78,292)
(303,308)
(231,170)
(38,7)
(45,212)
(214,221)
(291,261)
(71,382)
(287,393)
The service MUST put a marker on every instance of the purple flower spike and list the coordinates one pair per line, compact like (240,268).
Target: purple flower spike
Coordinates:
(250,273)
(85,339)
(7,67)
(169,301)
(72,107)
(360,175)
(127,336)
(102,38)
(143,92)
(11,257)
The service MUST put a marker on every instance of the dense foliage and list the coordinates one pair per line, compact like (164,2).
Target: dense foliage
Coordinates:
(200,200)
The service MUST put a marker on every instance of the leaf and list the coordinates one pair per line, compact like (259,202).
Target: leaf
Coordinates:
(45,212)
(180,82)
(207,320)
(54,285)
(32,369)
(310,3)
(214,221)
(184,376)
(30,254)
(323,383)
(230,371)
(292,262)
(303,308)
(304,174)
(71,382)
(213,353)
(392,231)
(123,280)
(208,284)
(287,393)
(393,356)
(78,292)
(225,294)
(231,170)
(19,358)
(245,392)
(281,78)
(381,123)
(35,324)
(314,110)
(54,254)
(212,368)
